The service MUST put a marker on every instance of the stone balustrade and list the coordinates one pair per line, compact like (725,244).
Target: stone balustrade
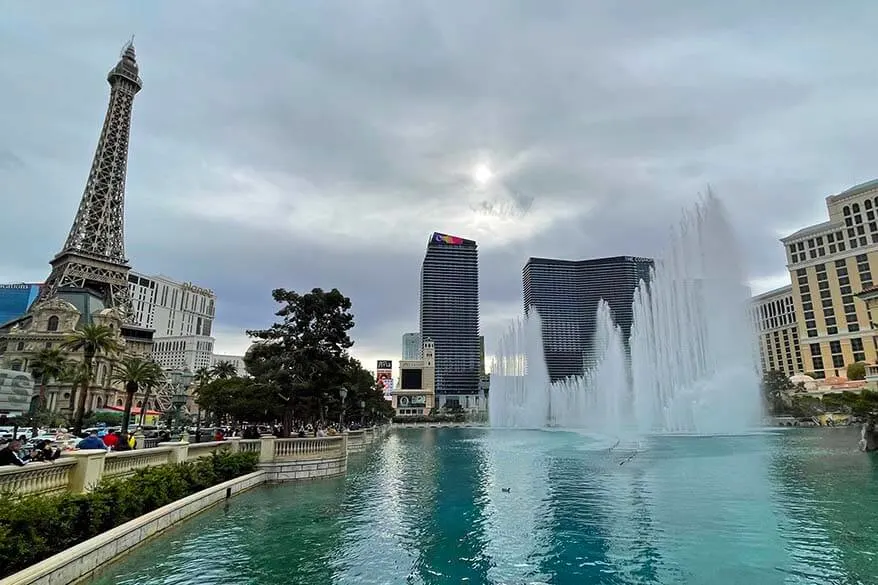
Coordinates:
(283,459)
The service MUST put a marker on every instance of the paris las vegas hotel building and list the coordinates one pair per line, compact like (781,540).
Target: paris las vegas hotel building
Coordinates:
(821,323)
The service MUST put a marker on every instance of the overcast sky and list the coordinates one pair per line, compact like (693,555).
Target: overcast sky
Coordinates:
(318,143)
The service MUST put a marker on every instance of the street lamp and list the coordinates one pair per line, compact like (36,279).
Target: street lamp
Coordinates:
(363,413)
(179,401)
(343,393)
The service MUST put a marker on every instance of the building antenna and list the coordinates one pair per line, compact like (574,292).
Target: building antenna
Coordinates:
(130,43)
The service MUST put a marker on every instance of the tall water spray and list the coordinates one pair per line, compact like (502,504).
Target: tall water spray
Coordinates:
(691,369)
(692,359)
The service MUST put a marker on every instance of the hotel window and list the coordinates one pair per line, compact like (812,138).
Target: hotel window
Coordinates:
(816,358)
(837,357)
(857,347)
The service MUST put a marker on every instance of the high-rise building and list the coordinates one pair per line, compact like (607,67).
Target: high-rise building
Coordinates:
(89,278)
(830,263)
(181,314)
(566,294)
(411,346)
(774,318)
(450,317)
(16,299)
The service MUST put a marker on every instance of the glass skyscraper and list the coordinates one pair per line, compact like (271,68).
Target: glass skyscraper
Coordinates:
(15,299)
(450,314)
(566,294)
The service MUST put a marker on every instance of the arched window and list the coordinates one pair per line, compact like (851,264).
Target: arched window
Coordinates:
(856,207)
(53,323)
(846,210)
(139,404)
(20,346)
(868,204)
(119,402)
(100,402)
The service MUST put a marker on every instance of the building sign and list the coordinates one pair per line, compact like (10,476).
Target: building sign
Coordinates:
(384,376)
(446,239)
(16,391)
(419,401)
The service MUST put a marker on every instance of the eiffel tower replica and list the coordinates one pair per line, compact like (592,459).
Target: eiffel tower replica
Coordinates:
(93,257)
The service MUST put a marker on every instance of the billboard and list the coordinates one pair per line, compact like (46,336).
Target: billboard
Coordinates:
(418,401)
(384,376)
(16,391)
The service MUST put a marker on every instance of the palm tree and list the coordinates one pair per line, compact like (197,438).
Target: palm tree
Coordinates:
(224,370)
(91,339)
(135,372)
(203,377)
(76,375)
(46,365)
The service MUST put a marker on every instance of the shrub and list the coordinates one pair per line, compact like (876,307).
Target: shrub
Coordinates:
(33,528)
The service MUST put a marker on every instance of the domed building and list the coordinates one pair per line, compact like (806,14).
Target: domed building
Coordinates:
(49,323)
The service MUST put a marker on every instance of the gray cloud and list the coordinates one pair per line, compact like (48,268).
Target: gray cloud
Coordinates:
(317,143)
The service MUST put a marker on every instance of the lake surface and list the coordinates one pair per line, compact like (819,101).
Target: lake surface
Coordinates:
(429,506)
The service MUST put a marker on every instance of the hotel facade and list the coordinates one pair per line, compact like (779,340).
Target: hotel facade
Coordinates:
(830,264)
(774,318)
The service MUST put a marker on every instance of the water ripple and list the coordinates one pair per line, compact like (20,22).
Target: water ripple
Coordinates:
(504,507)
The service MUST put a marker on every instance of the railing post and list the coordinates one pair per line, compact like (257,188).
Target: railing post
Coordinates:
(234,444)
(139,439)
(179,451)
(266,448)
(88,470)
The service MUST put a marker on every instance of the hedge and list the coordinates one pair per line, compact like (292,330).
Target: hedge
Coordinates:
(33,528)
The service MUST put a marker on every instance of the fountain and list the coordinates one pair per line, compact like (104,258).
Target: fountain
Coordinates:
(691,369)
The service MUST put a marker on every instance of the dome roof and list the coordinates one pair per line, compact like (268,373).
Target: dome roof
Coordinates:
(56,304)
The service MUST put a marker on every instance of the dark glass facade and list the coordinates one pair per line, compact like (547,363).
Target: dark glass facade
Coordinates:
(15,299)
(566,294)
(450,312)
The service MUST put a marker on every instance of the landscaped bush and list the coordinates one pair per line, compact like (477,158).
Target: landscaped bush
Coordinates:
(33,528)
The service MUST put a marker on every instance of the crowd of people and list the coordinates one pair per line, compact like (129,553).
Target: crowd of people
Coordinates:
(20,452)
(15,452)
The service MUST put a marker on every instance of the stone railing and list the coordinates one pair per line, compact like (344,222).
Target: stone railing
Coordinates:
(79,471)
(37,478)
(123,463)
(197,450)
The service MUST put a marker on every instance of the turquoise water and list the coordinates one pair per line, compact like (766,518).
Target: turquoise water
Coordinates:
(428,506)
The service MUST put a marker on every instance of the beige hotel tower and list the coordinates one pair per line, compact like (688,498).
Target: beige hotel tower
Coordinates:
(830,264)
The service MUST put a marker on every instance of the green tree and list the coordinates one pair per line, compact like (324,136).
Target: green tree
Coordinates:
(48,364)
(856,371)
(304,356)
(224,369)
(775,385)
(239,399)
(136,372)
(91,339)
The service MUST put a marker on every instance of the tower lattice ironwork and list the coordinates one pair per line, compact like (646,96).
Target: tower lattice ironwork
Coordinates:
(93,257)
